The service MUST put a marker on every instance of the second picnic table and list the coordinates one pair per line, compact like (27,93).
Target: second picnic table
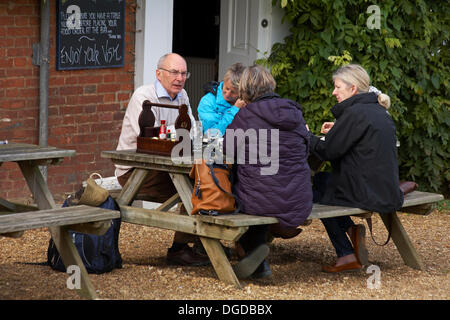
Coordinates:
(16,218)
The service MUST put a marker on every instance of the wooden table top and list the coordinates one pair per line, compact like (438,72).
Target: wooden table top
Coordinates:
(22,151)
(147,161)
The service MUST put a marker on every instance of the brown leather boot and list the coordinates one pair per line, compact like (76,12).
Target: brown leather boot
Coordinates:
(283,232)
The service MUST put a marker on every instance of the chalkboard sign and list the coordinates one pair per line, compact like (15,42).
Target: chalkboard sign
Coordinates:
(90,34)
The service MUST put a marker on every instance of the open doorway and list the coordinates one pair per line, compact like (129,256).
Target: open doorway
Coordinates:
(196,37)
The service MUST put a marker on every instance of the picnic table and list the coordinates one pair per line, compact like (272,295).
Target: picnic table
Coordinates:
(212,229)
(16,218)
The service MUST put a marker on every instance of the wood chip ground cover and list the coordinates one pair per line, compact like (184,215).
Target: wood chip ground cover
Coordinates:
(295,264)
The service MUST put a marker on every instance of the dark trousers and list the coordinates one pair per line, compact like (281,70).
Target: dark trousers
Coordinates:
(160,188)
(254,237)
(336,227)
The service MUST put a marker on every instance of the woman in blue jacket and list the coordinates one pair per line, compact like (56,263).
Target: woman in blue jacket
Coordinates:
(218,108)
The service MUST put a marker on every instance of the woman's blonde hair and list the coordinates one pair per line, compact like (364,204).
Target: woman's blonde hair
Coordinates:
(354,74)
(255,82)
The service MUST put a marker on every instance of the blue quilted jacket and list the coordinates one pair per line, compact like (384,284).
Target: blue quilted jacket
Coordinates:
(215,112)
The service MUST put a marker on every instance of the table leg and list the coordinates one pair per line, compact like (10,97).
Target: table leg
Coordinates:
(220,261)
(60,235)
(166,206)
(131,187)
(212,246)
(37,184)
(184,188)
(402,241)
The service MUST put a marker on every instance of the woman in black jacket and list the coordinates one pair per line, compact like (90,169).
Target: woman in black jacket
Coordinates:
(361,146)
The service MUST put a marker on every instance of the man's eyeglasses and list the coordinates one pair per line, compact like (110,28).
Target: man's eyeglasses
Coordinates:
(175,73)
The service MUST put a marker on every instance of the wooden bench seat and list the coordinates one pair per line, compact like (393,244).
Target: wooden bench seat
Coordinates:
(69,216)
(232,226)
(415,199)
(223,224)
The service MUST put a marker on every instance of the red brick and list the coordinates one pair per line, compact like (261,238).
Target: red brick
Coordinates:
(71,90)
(70,80)
(6,63)
(20,10)
(109,97)
(20,32)
(20,62)
(56,81)
(62,130)
(32,82)
(88,99)
(15,104)
(108,107)
(90,79)
(24,42)
(23,133)
(108,88)
(86,138)
(19,72)
(106,116)
(6,20)
(20,21)
(109,78)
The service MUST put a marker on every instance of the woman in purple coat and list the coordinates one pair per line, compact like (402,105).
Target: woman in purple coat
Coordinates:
(269,142)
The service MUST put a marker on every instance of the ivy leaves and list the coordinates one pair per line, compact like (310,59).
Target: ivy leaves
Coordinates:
(407,57)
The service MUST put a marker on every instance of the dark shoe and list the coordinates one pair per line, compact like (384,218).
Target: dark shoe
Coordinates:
(263,271)
(352,266)
(358,239)
(244,268)
(186,257)
(283,232)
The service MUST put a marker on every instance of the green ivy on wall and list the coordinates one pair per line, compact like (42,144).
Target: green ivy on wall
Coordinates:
(404,46)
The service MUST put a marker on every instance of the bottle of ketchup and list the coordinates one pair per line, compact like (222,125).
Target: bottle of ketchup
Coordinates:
(162,130)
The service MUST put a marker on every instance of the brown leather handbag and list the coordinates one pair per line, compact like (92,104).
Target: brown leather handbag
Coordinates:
(212,193)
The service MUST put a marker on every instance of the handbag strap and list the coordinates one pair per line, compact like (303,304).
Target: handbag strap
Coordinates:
(389,227)
(216,181)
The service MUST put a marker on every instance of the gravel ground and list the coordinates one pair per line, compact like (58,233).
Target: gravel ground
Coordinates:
(295,264)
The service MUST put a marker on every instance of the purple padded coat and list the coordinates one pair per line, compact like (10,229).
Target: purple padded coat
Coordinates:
(284,193)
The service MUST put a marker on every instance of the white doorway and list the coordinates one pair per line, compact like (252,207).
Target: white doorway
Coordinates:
(248,29)
(196,38)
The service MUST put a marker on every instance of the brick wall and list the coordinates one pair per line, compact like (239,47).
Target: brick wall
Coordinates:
(86,107)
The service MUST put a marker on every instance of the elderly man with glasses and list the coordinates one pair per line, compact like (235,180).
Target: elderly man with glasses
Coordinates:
(171,74)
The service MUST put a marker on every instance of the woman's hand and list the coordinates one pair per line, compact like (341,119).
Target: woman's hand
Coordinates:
(326,126)
(240,103)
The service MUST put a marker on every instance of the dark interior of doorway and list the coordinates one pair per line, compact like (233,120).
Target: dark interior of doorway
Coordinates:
(196,37)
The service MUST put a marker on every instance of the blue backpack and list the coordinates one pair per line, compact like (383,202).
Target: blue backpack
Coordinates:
(99,254)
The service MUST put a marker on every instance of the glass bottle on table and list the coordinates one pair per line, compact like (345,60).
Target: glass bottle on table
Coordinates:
(197,141)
